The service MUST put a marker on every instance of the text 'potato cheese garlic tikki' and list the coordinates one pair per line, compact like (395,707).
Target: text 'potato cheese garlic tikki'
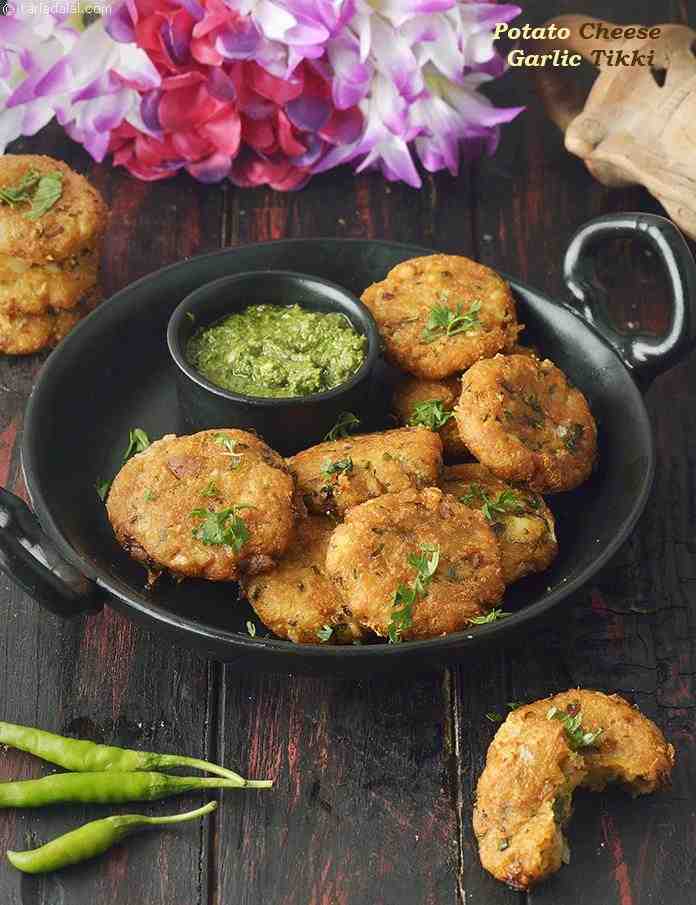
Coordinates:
(298,600)
(539,756)
(415,564)
(337,475)
(430,403)
(439,314)
(52,224)
(521,521)
(217,505)
(524,421)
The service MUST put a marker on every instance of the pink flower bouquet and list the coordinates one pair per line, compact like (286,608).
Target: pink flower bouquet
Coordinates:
(259,91)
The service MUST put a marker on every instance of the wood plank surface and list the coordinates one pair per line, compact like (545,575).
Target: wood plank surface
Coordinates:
(375,779)
(104,677)
(620,633)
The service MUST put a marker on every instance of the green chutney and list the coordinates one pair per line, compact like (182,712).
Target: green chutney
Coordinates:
(278,350)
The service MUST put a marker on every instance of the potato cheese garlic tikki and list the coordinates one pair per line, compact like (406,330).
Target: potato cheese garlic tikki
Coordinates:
(439,314)
(214,505)
(415,564)
(521,521)
(52,223)
(298,600)
(339,474)
(523,420)
(539,756)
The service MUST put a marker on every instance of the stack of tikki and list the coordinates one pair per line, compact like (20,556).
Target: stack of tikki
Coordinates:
(51,227)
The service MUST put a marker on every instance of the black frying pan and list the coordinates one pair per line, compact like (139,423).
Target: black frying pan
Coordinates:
(113,373)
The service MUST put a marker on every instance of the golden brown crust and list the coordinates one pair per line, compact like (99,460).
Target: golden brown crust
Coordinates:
(402,302)
(154,497)
(524,795)
(368,558)
(523,798)
(411,391)
(523,524)
(522,419)
(298,600)
(75,222)
(25,334)
(335,476)
(27,288)
(631,749)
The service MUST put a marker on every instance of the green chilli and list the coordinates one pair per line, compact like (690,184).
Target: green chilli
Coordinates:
(82,756)
(93,839)
(109,788)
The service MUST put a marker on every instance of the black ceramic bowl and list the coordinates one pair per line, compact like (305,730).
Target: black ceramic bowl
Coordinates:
(290,423)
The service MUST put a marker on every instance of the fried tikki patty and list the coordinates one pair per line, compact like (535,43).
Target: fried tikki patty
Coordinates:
(24,334)
(439,314)
(522,522)
(340,474)
(539,756)
(27,288)
(213,505)
(430,403)
(371,558)
(523,420)
(298,600)
(74,223)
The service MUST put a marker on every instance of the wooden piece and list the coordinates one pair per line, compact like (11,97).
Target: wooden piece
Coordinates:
(638,124)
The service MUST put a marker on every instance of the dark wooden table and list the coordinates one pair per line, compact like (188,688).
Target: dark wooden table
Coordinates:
(373,798)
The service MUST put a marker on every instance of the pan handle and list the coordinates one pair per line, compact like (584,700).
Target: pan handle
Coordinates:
(645,355)
(31,560)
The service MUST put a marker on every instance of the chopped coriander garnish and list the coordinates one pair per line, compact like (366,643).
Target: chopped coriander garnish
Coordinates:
(347,422)
(210,489)
(17,194)
(503,844)
(496,717)
(224,527)
(505,503)
(442,321)
(340,466)
(406,596)
(324,633)
(572,723)
(251,628)
(149,495)
(493,616)
(431,414)
(48,191)
(474,494)
(103,488)
(573,436)
(41,192)
(230,445)
(138,441)
(191,316)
